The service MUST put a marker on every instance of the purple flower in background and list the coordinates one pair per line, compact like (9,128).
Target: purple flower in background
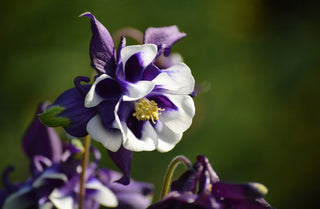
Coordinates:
(55,179)
(200,188)
(133,104)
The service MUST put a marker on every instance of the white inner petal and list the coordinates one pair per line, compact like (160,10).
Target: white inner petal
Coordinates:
(110,140)
(92,99)
(148,53)
(148,142)
(138,90)
(104,196)
(61,200)
(179,120)
(167,138)
(179,80)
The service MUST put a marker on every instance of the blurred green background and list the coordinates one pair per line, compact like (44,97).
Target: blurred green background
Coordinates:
(257,62)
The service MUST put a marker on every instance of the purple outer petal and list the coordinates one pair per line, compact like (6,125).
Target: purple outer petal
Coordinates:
(235,191)
(42,140)
(163,37)
(75,111)
(101,47)
(122,159)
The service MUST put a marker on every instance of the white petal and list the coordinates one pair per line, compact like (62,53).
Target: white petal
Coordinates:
(138,90)
(92,99)
(47,205)
(61,201)
(110,140)
(179,80)
(167,138)
(148,142)
(48,174)
(179,120)
(104,195)
(149,53)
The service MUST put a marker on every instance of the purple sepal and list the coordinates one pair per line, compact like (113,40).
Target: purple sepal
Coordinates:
(73,102)
(122,159)
(101,47)
(41,140)
(163,37)
(235,191)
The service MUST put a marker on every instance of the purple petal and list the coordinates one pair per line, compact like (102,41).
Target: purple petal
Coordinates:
(134,68)
(163,37)
(163,102)
(42,140)
(73,102)
(106,111)
(236,191)
(207,166)
(109,89)
(122,159)
(150,72)
(101,47)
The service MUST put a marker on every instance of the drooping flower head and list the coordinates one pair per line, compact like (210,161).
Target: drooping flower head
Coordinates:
(200,188)
(55,177)
(133,103)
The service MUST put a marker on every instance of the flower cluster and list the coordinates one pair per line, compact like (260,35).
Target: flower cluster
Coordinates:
(133,103)
(139,100)
(200,188)
(55,168)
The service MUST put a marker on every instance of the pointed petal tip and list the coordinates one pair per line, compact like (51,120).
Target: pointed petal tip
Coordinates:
(260,188)
(87,14)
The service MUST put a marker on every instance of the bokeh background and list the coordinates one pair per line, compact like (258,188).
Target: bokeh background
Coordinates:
(256,62)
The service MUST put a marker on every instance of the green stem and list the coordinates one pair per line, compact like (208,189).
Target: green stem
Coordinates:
(85,161)
(173,164)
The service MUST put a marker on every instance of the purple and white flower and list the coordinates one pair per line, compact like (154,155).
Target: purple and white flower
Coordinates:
(132,105)
(55,179)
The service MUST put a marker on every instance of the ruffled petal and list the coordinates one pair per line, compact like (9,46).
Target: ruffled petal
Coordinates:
(180,119)
(145,54)
(101,47)
(167,139)
(163,37)
(110,138)
(60,200)
(103,195)
(103,88)
(138,90)
(178,80)
(147,141)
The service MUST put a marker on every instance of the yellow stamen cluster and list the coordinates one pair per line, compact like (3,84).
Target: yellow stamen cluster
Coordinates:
(147,110)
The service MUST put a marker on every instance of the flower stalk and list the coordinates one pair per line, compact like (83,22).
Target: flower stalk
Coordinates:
(172,166)
(85,160)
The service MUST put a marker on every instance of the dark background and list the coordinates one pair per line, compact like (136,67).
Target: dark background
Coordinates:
(256,61)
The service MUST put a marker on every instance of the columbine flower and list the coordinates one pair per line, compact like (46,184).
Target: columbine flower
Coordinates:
(200,188)
(133,105)
(56,177)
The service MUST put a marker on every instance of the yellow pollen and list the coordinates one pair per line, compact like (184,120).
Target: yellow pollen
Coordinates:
(147,110)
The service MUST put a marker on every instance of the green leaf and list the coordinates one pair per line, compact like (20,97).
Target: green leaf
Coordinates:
(50,117)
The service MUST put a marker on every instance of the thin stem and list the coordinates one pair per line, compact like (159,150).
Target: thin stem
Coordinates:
(85,161)
(173,164)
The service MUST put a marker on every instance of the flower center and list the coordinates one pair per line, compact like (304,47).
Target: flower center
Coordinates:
(147,110)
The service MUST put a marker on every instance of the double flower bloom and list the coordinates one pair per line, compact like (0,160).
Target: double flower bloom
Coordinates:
(133,104)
